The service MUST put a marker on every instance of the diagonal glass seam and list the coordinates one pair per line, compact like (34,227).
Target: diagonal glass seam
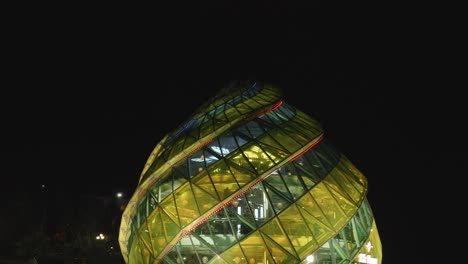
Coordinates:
(187,229)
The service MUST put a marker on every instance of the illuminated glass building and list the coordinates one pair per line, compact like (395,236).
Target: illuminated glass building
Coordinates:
(249,179)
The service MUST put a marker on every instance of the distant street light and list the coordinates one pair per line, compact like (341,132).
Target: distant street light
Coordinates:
(119,195)
(100,237)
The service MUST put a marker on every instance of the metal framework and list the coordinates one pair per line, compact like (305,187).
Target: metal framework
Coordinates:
(249,179)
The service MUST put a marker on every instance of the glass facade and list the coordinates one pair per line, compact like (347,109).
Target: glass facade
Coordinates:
(249,179)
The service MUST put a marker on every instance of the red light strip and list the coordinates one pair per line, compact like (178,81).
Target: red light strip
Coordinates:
(204,219)
(276,106)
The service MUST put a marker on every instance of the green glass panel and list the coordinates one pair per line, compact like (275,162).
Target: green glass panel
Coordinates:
(195,133)
(144,236)
(234,255)
(196,163)
(349,207)
(204,199)
(254,248)
(200,248)
(178,179)
(169,207)
(355,176)
(262,204)
(312,163)
(309,182)
(241,137)
(232,212)
(321,233)
(306,119)
(274,231)
(158,162)
(326,161)
(297,230)
(204,230)
(225,183)
(165,187)
(275,154)
(225,227)
(247,214)
(141,211)
(328,205)
(221,241)
(170,227)
(273,140)
(335,181)
(310,178)
(249,131)
(206,128)
(278,201)
(156,232)
(273,118)
(187,208)
(299,130)
(276,181)
(347,240)
(263,99)
(231,114)
(203,181)
(298,136)
(285,111)
(252,104)
(152,201)
(240,161)
(145,251)
(177,147)
(337,176)
(308,204)
(217,123)
(189,140)
(182,170)
(254,199)
(361,229)
(294,183)
(360,221)
(357,185)
(245,108)
(288,141)
(130,242)
(242,175)
(136,253)
(184,250)
(155,191)
(257,157)
(277,253)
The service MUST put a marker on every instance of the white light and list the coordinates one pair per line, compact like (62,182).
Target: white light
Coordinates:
(310,259)
(224,151)
(369,246)
(119,194)
(363,258)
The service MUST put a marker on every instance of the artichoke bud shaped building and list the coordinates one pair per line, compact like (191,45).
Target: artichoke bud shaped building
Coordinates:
(249,179)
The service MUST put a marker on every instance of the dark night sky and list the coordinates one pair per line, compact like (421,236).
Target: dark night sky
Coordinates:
(89,97)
